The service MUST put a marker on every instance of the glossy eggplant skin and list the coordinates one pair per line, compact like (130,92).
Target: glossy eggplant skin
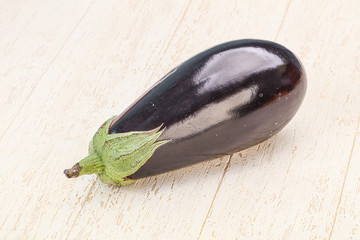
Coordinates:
(223,100)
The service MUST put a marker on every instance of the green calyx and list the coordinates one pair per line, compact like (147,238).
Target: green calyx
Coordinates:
(114,157)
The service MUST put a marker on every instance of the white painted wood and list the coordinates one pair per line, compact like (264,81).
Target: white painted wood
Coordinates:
(346,223)
(32,34)
(67,66)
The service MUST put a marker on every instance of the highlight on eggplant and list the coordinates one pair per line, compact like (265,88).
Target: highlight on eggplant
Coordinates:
(223,100)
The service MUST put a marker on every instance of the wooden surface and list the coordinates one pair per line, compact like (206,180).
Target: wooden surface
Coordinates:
(66,66)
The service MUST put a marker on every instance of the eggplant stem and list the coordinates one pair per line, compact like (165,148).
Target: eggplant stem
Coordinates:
(113,157)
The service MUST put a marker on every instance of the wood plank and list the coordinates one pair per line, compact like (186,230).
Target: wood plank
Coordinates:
(346,223)
(289,187)
(32,34)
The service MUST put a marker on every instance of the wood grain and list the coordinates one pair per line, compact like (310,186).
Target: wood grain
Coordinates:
(67,66)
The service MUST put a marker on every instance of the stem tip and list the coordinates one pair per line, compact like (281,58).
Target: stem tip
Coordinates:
(73,172)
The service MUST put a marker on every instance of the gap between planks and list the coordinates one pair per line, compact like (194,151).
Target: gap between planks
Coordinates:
(217,190)
(81,208)
(344,181)
(282,20)
(168,44)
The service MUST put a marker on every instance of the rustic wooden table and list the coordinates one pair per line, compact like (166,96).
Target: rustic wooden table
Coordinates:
(66,66)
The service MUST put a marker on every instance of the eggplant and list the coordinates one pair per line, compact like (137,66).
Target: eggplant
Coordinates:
(221,101)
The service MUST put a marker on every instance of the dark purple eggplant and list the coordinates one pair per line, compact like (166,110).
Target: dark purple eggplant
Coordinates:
(223,100)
